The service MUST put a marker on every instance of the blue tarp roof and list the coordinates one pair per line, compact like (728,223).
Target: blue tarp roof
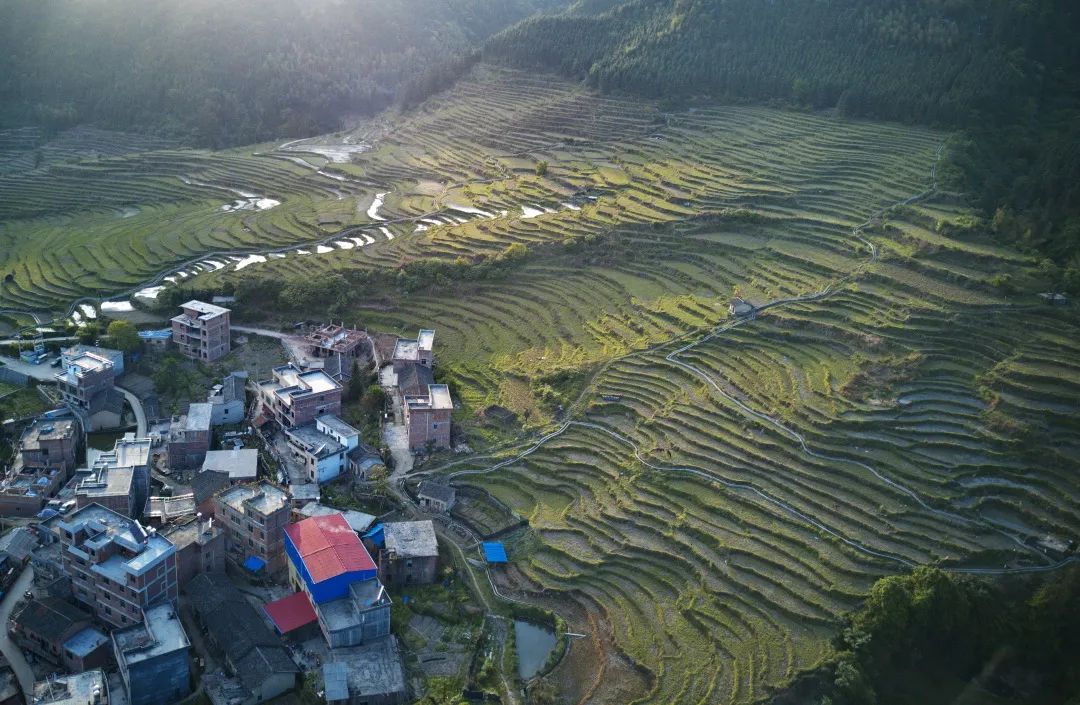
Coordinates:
(254,564)
(375,533)
(47,513)
(494,552)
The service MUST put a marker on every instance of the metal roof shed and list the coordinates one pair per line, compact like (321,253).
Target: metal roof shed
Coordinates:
(336,679)
(494,552)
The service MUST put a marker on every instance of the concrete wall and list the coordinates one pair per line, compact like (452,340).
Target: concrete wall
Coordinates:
(227,413)
(327,469)
(274,686)
(198,558)
(375,625)
(12,505)
(159,681)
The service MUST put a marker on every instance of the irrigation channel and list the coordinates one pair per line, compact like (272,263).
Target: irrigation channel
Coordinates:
(673,358)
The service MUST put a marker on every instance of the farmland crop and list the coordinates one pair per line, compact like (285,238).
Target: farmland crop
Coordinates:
(713,494)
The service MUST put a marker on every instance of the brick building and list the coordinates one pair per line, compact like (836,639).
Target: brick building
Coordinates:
(189,437)
(61,633)
(420,351)
(119,479)
(86,386)
(48,451)
(116,357)
(331,340)
(117,567)
(253,518)
(200,548)
(295,398)
(50,444)
(409,554)
(202,331)
(427,418)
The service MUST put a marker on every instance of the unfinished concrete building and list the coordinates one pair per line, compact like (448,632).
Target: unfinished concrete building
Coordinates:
(189,437)
(295,397)
(330,339)
(202,331)
(253,518)
(420,351)
(117,567)
(427,418)
(118,479)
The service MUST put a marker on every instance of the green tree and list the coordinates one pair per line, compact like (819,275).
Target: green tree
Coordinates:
(87,333)
(541,168)
(124,336)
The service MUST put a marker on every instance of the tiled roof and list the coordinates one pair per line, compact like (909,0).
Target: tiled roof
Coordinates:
(50,618)
(328,547)
(437,491)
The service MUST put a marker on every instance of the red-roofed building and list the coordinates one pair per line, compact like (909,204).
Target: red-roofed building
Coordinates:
(326,557)
(290,613)
(335,576)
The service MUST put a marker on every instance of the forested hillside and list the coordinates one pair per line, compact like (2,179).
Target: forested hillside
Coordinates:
(1004,71)
(226,72)
(937,638)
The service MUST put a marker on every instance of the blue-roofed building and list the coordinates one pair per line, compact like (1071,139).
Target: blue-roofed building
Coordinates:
(494,552)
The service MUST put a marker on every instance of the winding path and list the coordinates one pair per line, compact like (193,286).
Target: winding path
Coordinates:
(14,654)
(674,358)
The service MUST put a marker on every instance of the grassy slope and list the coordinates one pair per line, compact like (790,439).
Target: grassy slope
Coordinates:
(717,594)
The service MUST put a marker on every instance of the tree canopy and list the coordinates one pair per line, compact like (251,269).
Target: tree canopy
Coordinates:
(222,73)
(1004,71)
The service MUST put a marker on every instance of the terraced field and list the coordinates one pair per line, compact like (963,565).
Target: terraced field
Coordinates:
(713,513)
(98,227)
(715,492)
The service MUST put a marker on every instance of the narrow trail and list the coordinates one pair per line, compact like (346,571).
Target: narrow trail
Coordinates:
(674,358)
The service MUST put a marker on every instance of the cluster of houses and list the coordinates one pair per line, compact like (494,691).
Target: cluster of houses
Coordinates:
(124,570)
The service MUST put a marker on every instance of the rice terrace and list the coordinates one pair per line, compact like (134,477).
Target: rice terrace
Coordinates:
(701,492)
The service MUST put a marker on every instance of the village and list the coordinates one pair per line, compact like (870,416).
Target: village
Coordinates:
(249,546)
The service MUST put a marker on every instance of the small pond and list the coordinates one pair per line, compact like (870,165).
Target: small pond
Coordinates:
(103,440)
(534,643)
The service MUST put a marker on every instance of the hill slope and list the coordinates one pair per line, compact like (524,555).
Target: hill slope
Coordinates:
(227,73)
(925,61)
(1004,71)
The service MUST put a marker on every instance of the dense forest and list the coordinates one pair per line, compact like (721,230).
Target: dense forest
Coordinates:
(222,73)
(1005,71)
(939,639)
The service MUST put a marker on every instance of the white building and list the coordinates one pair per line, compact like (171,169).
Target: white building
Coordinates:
(322,447)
